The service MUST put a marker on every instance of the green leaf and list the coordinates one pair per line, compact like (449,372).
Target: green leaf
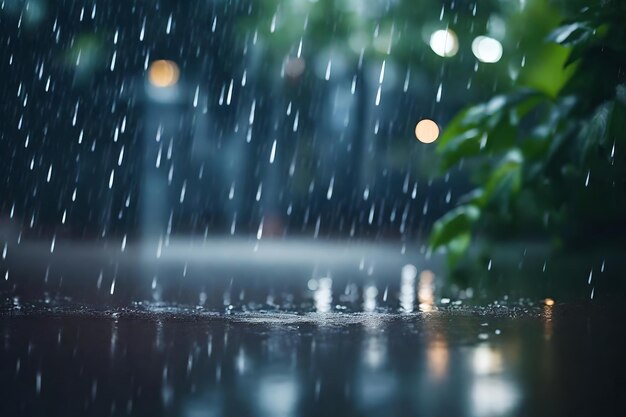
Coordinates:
(457,248)
(474,197)
(457,126)
(620,94)
(571,34)
(461,146)
(505,182)
(486,129)
(595,132)
(455,223)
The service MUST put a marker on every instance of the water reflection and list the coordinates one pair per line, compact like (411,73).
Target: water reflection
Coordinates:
(407,288)
(493,397)
(548,310)
(323,295)
(426,291)
(179,363)
(438,357)
(277,396)
(493,391)
(369,298)
(486,360)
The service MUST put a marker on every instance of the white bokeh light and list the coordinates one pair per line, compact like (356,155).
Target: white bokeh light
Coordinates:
(486,49)
(444,42)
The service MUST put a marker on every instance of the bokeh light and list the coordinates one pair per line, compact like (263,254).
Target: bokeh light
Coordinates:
(407,288)
(294,67)
(426,131)
(486,49)
(444,43)
(163,73)
(425,291)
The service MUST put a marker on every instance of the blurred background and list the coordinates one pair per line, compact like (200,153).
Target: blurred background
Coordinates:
(146,119)
(131,123)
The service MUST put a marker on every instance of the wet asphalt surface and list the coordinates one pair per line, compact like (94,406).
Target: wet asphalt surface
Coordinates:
(172,361)
(348,334)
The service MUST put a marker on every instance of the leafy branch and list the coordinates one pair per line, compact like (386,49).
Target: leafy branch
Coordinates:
(541,163)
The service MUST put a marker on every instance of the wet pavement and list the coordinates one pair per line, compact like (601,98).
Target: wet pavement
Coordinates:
(243,328)
(167,360)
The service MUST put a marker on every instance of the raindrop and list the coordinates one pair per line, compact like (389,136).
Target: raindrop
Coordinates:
(38,382)
(251,118)
(143,30)
(328,69)
(195,96)
(230,92)
(259,232)
(182,192)
(169,25)
(329,193)
(273,153)
(382,73)
(407,79)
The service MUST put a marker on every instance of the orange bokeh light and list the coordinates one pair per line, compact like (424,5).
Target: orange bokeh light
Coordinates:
(427,131)
(163,73)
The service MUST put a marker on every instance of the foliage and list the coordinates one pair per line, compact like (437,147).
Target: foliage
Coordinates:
(543,164)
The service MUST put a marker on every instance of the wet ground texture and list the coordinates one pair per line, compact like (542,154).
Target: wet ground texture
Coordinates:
(168,360)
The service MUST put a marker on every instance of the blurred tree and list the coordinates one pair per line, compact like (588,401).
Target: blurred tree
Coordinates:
(317,46)
(543,161)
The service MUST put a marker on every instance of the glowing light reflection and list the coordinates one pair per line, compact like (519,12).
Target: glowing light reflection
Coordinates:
(426,291)
(323,295)
(407,288)
(369,298)
(438,357)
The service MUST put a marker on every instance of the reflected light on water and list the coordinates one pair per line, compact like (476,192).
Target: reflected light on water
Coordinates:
(548,310)
(369,298)
(241,362)
(375,342)
(426,292)
(277,396)
(493,396)
(323,295)
(438,357)
(487,360)
(375,351)
(407,287)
